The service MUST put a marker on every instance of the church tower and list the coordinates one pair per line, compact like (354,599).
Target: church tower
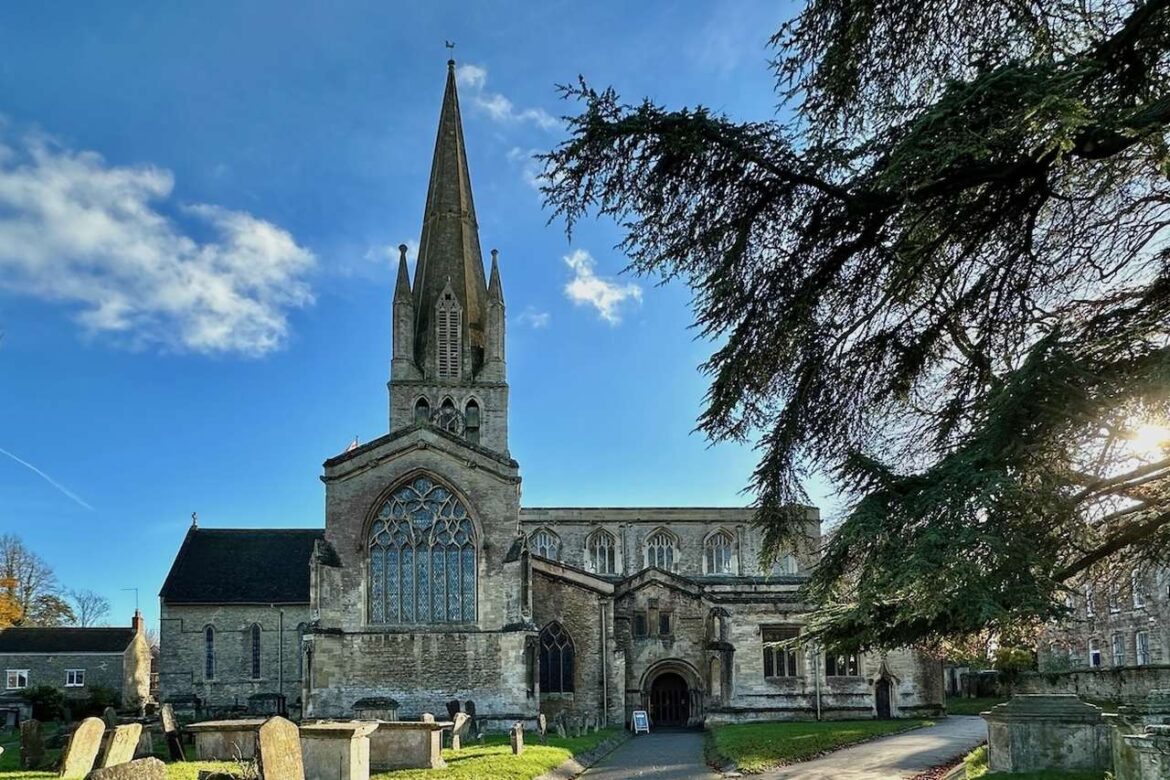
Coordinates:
(448,367)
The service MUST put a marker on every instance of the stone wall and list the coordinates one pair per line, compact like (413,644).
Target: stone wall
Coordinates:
(1129,684)
(107,670)
(182,652)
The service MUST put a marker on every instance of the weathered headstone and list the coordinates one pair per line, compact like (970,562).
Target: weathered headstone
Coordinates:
(32,745)
(171,733)
(427,717)
(120,745)
(453,707)
(542,727)
(141,769)
(561,731)
(145,747)
(459,730)
(469,708)
(517,738)
(279,750)
(81,752)
(110,716)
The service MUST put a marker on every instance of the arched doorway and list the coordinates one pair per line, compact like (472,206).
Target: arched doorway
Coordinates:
(670,700)
(881,692)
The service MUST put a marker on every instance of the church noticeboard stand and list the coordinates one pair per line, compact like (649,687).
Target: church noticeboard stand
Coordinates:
(641,721)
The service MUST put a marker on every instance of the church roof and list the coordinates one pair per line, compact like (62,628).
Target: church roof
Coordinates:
(65,640)
(449,246)
(242,566)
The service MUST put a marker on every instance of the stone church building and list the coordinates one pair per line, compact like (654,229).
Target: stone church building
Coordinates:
(429,581)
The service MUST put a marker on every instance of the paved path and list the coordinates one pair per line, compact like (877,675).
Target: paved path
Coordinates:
(661,755)
(899,756)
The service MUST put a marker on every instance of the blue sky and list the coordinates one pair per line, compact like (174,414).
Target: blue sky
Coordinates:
(197,203)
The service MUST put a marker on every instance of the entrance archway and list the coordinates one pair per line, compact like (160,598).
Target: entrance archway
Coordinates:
(881,692)
(670,700)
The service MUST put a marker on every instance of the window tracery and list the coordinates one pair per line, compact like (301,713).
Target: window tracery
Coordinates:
(661,550)
(545,543)
(602,549)
(717,553)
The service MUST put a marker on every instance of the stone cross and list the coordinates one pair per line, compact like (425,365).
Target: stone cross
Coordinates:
(120,745)
(459,730)
(517,738)
(142,769)
(279,750)
(81,752)
(32,745)
(542,727)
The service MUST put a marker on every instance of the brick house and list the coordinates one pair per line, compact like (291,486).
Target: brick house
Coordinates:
(76,660)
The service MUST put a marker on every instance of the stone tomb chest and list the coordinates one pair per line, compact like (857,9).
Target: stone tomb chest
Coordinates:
(226,740)
(408,744)
(1034,732)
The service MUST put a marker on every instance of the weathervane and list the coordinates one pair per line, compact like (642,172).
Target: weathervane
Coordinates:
(449,44)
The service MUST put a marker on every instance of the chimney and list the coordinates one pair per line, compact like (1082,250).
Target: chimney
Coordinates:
(138,624)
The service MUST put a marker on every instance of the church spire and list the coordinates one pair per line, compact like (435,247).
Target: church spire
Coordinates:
(449,247)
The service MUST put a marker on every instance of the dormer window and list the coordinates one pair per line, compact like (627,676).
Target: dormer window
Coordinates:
(448,335)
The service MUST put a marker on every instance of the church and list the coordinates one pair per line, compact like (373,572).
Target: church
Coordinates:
(430,582)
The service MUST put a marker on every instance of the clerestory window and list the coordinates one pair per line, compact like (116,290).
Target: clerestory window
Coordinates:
(602,549)
(717,553)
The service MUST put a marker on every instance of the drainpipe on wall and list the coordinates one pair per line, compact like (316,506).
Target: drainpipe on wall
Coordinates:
(280,658)
(817,678)
(604,669)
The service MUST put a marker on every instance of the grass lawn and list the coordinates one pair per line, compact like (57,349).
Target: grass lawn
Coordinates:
(756,747)
(976,763)
(491,761)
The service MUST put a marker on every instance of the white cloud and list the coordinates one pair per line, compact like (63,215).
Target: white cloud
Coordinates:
(388,253)
(531,169)
(604,295)
(537,320)
(76,229)
(496,105)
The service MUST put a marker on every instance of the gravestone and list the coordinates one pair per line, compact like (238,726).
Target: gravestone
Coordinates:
(459,730)
(542,727)
(120,745)
(453,707)
(171,733)
(32,745)
(517,738)
(82,751)
(279,750)
(469,708)
(561,731)
(141,769)
(110,716)
(590,724)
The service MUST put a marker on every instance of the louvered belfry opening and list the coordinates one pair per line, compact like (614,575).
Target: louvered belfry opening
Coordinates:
(448,336)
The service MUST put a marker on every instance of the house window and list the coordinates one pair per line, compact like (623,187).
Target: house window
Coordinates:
(17,679)
(842,666)
(601,549)
(448,335)
(1118,642)
(1094,654)
(660,551)
(1141,641)
(209,653)
(786,565)
(1137,587)
(422,411)
(556,660)
(640,624)
(1114,593)
(717,553)
(471,422)
(664,624)
(422,557)
(779,661)
(74,678)
(1089,609)
(545,543)
(255,651)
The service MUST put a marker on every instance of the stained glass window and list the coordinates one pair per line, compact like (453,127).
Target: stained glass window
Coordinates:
(660,551)
(556,660)
(601,552)
(422,557)
(717,553)
(545,544)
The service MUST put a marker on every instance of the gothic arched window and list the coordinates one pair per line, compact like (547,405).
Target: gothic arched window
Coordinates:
(661,550)
(471,422)
(422,411)
(422,557)
(209,653)
(602,556)
(448,335)
(717,553)
(546,544)
(556,659)
(255,637)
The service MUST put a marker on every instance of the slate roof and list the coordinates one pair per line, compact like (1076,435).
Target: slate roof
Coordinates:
(242,566)
(65,640)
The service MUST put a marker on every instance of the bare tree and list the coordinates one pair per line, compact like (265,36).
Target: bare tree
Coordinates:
(33,581)
(90,608)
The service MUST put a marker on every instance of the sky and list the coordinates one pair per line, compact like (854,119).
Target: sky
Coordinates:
(198,209)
